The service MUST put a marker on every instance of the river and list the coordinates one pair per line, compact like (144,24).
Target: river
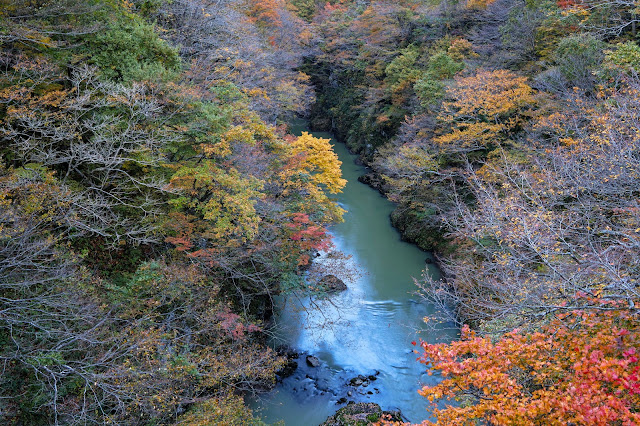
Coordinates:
(367,329)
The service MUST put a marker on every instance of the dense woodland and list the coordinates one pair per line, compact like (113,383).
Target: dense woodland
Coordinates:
(152,202)
(151,206)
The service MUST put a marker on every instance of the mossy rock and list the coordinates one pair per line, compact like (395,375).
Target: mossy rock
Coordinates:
(360,414)
(426,232)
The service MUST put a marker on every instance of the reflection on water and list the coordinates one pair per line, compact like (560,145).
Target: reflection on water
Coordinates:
(368,328)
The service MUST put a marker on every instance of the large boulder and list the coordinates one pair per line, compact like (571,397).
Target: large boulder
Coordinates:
(361,414)
(313,361)
(331,284)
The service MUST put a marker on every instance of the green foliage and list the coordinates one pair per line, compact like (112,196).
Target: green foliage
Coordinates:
(129,49)
(306,9)
(367,90)
(442,66)
(429,91)
(403,68)
(553,26)
(577,57)
(148,8)
(141,208)
(508,177)
(625,57)
(430,87)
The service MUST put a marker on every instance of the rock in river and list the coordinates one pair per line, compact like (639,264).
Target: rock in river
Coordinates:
(331,283)
(362,413)
(358,381)
(313,361)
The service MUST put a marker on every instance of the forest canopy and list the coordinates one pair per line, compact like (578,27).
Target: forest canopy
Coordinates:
(152,201)
(147,188)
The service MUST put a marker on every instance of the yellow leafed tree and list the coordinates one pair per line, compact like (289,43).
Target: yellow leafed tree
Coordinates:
(321,163)
(485,108)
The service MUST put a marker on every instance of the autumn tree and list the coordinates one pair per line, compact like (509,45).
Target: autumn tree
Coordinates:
(580,368)
(550,225)
(49,26)
(544,272)
(148,214)
(319,162)
(96,134)
(54,345)
(254,45)
(484,109)
(306,9)
(256,234)
(367,68)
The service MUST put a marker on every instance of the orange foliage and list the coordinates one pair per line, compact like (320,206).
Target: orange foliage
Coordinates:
(479,4)
(485,108)
(306,236)
(581,368)
(266,12)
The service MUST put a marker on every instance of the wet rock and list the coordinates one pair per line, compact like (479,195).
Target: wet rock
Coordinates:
(287,351)
(291,364)
(360,380)
(356,381)
(312,361)
(429,261)
(373,180)
(362,413)
(372,377)
(331,283)
(288,369)
(341,401)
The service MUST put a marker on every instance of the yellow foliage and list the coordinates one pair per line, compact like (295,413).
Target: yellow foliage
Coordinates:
(491,94)
(471,135)
(484,108)
(320,162)
(224,197)
(231,208)
(225,410)
(239,134)
(479,4)
(461,49)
